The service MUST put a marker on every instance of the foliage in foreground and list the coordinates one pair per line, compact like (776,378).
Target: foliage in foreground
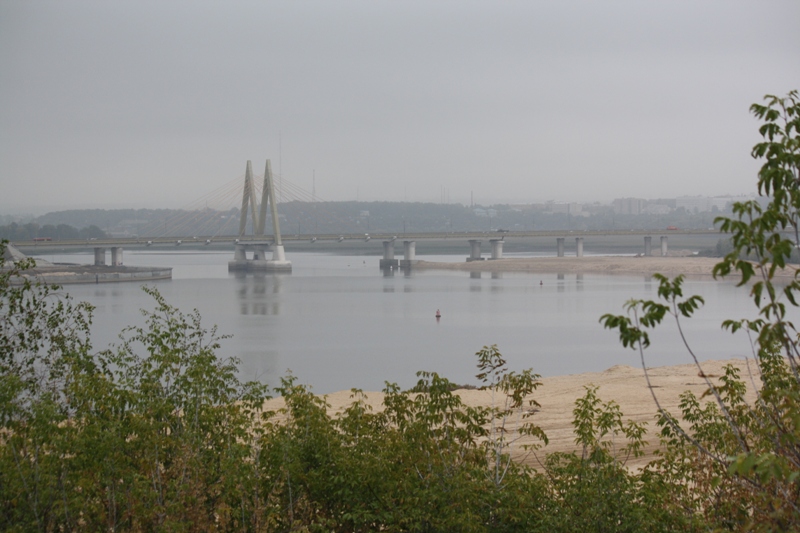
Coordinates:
(742,459)
(158,433)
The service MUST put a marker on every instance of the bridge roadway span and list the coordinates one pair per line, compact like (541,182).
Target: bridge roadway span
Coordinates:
(142,242)
(496,239)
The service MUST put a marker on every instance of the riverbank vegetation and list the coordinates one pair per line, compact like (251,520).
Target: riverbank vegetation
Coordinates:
(60,232)
(159,433)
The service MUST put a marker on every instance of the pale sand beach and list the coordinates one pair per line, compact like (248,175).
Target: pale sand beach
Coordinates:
(669,266)
(623,384)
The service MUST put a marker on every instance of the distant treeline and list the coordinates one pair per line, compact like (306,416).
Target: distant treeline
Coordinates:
(309,218)
(61,232)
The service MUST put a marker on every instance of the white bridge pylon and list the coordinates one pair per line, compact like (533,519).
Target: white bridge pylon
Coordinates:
(258,211)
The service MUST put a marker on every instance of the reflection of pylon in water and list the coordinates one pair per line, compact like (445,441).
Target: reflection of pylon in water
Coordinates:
(258,212)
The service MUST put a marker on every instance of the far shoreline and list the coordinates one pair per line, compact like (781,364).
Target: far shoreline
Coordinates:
(625,265)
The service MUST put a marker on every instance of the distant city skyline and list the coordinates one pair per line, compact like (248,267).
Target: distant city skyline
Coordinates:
(686,201)
(130,104)
(347,218)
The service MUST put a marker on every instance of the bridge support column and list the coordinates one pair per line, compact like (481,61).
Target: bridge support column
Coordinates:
(578,246)
(409,253)
(260,252)
(99,257)
(474,250)
(279,262)
(648,245)
(388,260)
(259,263)
(560,246)
(663,246)
(116,256)
(497,248)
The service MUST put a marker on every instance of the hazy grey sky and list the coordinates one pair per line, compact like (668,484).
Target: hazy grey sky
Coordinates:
(155,103)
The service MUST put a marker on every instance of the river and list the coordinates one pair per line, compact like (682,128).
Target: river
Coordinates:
(337,322)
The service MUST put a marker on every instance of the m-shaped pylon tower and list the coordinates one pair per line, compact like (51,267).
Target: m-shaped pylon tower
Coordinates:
(258,212)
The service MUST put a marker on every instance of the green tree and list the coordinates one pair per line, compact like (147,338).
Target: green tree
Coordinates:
(187,421)
(44,351)
(593,490)
(423,462)
(92,232)
(742,459)
(155,434)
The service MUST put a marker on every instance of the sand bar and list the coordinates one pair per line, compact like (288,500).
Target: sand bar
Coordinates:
(626,265)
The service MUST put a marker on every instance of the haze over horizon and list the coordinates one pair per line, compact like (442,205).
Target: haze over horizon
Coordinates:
(154,104)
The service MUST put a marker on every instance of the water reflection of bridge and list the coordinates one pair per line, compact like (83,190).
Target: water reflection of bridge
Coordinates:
(256,293)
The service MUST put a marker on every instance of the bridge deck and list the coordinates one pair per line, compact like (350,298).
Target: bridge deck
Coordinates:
(134,242)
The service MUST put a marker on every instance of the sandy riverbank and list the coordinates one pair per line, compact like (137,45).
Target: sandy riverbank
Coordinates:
(83,274)
(669,266)
(624,384)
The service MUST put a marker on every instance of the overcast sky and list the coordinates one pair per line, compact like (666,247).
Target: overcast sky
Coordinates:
(156,103)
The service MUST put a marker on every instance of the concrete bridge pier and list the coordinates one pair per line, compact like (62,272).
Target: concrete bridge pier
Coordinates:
(260,252)
(99,257)
(578,246)
(497,248)
(663,246)
(474,250)
(560,246)
(259,262)
(648,245)
(116,256)
(388,256)
(278,263)
(409,254)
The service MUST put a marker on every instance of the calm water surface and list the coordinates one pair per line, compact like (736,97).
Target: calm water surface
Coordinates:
(337,322)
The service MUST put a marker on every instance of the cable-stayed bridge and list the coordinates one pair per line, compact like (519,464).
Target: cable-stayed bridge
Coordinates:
(237,213)
(220,212)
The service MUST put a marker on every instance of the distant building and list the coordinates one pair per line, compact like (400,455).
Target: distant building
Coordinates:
(702,204)
(656,209)
(565,208)
(629,206)
(723,203)
(693,204)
